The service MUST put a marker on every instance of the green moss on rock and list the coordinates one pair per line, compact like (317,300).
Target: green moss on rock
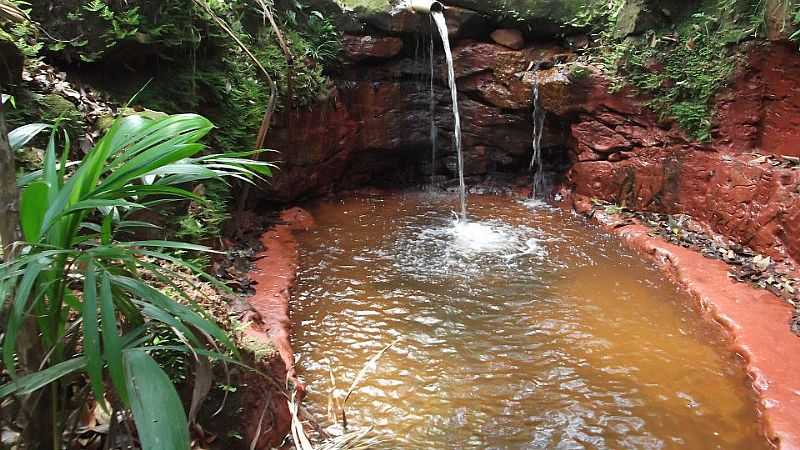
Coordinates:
(556,12)
(31,107)
(54,108)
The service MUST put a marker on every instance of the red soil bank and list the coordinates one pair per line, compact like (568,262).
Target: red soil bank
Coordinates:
(755,320)
(274,275)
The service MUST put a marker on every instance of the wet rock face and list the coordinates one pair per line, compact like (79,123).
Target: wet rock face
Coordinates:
(375,129)
(623,154)
(753,203)
(376,126)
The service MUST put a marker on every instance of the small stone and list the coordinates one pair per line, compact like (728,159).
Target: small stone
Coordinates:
(509,37)
(359,48)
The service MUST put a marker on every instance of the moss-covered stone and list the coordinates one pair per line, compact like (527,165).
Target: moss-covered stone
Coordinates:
(55,108)
(369,6)
(556,12)
(50,108)
(638,16)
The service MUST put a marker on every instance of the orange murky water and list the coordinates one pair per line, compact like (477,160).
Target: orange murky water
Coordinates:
(525,329)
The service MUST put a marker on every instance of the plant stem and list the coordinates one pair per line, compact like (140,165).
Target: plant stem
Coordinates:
(56,435)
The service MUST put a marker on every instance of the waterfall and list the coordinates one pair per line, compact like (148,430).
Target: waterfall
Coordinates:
(434,131)
(441,25)
(538,130)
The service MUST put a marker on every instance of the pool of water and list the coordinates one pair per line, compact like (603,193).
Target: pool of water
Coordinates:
(523,328)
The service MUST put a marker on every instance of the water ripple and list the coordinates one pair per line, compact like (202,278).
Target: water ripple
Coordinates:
(522,329)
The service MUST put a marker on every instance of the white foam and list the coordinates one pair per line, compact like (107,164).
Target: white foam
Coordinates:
(480,237)
(492,237)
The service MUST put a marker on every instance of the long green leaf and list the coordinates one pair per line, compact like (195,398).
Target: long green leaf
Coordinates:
(186,169)
(28,178)
(145,190)
(171,244)
(149,294)
(112,345)
(91,333)
(33,382)
(148,161)
(160,315)
(22,135)
(123,224)
(157,409)
(18,312)
(50,168)
(33,206)
(101,203)
(152,133)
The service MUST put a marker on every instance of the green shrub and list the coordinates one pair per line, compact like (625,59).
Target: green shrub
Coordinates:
(76,288)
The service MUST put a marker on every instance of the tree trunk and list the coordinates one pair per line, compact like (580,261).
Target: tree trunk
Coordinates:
(9,195)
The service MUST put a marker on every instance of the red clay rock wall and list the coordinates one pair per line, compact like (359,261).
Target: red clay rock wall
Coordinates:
(623,154)
(761,110)
(374,128)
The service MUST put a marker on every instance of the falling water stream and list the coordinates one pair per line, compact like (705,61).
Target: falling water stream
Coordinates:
(441,25)
(538,116)
(434,130)
(523,328)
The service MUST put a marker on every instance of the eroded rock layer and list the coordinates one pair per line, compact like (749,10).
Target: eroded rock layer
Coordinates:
(744,184)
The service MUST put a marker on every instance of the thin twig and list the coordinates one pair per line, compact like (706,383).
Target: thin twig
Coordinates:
(267,119)
(362,374)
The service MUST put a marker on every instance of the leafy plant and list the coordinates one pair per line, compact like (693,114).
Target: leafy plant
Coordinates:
(324,40)
(203,220)
(683,67)
(77,280)
(597,14)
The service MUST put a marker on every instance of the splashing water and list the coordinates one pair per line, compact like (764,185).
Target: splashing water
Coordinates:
(441,25)
(538,131)
(491,237)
